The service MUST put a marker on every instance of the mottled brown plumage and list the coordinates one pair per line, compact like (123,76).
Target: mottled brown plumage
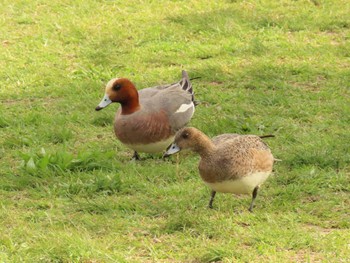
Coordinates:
(229,162)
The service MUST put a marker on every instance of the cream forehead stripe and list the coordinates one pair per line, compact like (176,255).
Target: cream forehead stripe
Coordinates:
(185,107)
(110,84)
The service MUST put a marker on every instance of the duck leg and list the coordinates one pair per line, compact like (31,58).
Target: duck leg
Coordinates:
(213,193)
(136,156)
(254,195)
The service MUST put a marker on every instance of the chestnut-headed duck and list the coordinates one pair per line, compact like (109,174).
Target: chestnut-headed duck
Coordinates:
(148,119)
(230,163)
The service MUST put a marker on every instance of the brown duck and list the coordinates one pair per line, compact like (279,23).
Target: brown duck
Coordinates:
(230,163)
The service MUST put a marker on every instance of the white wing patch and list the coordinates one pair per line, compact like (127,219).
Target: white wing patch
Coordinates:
(185,107)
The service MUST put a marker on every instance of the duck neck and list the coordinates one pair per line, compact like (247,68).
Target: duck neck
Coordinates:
(131,104)
(204,147)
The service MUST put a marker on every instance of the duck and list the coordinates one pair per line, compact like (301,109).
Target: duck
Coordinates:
(148,119)
(229,163)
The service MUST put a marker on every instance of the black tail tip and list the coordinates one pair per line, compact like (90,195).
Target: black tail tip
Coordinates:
(267,136)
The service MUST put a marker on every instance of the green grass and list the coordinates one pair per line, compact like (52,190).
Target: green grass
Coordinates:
(68,192)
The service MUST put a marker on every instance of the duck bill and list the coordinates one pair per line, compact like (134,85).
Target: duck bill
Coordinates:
(171,150)
(104,103)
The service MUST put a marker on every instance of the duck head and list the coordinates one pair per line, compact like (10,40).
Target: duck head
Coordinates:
(123,91)
(185,138)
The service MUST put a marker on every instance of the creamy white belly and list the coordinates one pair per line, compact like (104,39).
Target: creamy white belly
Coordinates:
(243,185)
(156,147)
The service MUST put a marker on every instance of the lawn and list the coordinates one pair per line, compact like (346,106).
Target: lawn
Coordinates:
(68,190)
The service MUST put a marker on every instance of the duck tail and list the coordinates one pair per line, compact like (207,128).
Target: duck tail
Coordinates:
(267,136)
(186,83)
(185,74)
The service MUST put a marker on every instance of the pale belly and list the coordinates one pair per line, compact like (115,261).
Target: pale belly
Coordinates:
(156,147)
(243,185)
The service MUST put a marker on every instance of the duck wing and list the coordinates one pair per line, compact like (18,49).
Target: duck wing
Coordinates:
(175,100)
(184,84)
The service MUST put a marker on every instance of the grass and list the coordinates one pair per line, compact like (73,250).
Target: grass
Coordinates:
(68,192)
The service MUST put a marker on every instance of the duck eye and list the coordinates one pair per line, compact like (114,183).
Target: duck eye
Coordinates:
(117,87)
(185,135)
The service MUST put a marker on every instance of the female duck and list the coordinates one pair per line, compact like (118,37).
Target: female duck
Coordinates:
(148,119)
(230,163)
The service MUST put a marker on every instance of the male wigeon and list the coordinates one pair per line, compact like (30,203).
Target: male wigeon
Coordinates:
(149,118)
(230,163)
